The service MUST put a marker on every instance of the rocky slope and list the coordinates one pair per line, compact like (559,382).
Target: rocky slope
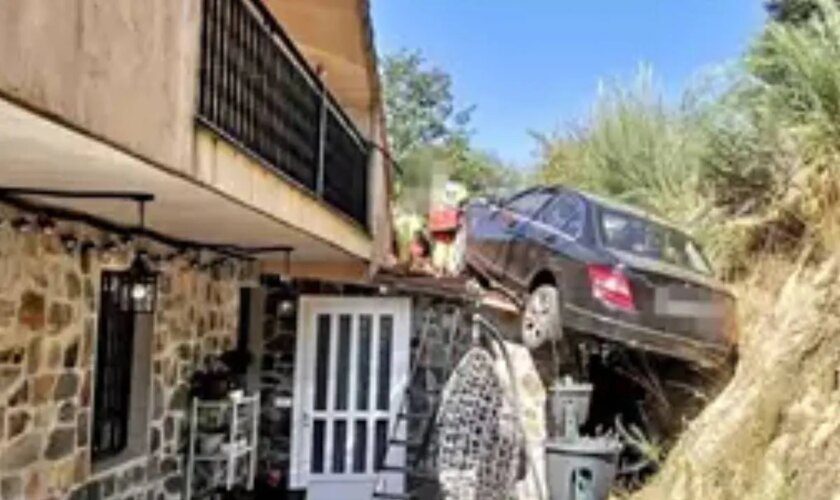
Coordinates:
(774,432)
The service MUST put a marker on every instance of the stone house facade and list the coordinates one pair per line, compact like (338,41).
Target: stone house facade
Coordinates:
(48,332)
(257,154)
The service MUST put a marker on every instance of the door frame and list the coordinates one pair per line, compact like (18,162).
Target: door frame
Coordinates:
(304,377)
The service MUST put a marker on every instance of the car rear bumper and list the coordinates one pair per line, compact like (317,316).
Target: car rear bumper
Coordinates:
(706,354)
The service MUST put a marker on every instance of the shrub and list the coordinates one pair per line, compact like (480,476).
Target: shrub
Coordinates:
(753,168)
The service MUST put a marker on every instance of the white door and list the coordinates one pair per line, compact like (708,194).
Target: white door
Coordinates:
(351,367)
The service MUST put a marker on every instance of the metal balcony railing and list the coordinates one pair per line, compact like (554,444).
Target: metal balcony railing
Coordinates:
(258,92)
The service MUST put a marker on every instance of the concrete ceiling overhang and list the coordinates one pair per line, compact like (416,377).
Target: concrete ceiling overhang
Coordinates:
(37,152)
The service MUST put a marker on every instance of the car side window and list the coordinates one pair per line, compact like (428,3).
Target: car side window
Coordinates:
(528,203)
(566,213)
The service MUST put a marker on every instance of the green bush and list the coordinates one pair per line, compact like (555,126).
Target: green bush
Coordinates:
(750,167)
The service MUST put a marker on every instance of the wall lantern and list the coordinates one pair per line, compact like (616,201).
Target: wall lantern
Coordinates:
(139,282)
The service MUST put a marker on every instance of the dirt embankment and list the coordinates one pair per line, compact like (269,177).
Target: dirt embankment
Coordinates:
(774,432)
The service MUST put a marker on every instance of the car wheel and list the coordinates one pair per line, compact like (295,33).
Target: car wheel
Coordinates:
(458,256)
(541,318)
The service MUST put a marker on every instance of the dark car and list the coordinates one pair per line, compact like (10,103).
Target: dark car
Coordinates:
(585,266)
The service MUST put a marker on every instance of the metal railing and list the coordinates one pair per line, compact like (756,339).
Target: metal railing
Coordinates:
(258,92)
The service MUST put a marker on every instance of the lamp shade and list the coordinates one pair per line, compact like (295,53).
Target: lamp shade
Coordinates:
(139,286)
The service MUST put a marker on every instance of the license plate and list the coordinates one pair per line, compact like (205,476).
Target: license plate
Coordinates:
(666,306)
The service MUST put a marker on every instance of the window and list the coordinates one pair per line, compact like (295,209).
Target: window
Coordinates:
(566,213)
(529,202)
(645,238)
(122,377)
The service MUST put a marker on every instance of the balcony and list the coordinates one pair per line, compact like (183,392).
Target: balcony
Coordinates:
(259,93)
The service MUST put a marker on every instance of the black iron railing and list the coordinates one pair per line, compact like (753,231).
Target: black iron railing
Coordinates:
(258,91)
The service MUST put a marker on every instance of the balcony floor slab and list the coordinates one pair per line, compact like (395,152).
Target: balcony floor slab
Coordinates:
(38,152)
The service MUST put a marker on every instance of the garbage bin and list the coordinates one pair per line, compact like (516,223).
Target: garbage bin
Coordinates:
(568,407)
(581,468)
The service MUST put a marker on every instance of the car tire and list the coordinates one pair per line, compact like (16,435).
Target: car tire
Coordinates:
(541,321)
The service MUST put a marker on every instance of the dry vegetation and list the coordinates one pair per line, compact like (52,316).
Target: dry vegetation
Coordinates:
(753,167)
(774,433)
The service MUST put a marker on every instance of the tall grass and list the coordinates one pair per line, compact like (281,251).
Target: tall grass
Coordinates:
(752,169)
(797,80)
(633,148)
(792,95)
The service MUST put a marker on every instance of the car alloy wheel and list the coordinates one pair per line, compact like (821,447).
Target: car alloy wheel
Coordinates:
(541,318)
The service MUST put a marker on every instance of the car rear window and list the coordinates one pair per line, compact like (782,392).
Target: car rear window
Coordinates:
(646,238)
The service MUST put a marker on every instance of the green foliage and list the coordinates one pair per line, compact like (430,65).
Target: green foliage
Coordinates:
(797,79)
(633,148)
(773,160)
(754,167)
(419,105)
(480,171)
(791,11)
(429,135)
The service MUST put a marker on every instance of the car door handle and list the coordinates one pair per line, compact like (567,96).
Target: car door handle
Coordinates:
(550,238)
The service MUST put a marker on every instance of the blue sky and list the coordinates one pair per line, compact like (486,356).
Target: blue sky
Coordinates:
(535,64)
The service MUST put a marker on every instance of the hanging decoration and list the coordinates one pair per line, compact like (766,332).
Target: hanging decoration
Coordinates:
(117,241)
(70,242)
(141,285)
(140,281)
(480,442)
(22,225)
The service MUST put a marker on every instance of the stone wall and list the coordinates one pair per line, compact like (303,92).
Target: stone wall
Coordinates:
(48,310)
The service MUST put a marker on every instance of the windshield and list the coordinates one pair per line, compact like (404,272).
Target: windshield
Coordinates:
(645,238)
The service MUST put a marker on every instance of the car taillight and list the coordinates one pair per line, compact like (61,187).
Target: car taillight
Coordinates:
(610,286)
